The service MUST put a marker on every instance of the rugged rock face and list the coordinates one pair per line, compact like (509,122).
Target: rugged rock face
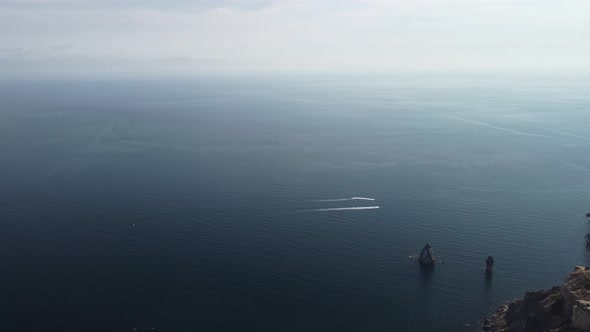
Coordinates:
(538,311)
(561,308)
(426,258)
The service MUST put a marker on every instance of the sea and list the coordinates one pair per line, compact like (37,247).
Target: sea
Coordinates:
(286,203)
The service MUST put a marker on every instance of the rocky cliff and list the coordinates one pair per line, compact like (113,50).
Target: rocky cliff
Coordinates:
(561,308)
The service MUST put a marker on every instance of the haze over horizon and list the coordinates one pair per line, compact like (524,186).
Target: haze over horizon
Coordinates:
(57,38)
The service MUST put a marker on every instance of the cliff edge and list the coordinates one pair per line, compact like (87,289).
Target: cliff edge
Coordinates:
(561,308)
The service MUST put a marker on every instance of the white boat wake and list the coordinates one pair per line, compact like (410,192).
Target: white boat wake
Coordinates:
(345,208)
(345,199)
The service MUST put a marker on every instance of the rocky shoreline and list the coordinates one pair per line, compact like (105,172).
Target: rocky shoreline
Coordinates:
(561,308)
(497,319)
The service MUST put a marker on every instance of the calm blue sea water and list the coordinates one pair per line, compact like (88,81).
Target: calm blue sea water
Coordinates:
(205,204)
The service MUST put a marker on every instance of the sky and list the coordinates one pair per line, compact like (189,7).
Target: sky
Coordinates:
(182,37)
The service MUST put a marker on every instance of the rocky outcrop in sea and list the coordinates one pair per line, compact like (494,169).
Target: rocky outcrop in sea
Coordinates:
(426,258)
(489,265)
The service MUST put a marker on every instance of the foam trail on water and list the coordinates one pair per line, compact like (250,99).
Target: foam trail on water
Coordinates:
(513,131)
(561,132)
(346,199)
(364,198)
(345,208)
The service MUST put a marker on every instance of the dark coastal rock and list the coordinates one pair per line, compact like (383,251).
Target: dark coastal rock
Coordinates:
(426,258)
(490,265)
(538,311)
(561,308)
(588,215)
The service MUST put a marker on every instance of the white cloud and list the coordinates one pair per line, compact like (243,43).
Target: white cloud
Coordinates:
(352,35)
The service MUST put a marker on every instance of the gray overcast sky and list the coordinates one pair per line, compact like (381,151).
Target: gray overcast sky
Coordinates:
(152,37)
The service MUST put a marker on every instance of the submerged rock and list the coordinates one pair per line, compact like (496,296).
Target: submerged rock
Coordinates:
(426,258)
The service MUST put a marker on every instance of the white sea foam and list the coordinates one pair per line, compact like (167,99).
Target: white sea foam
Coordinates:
(346,199)
(345,208)
(364,198)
